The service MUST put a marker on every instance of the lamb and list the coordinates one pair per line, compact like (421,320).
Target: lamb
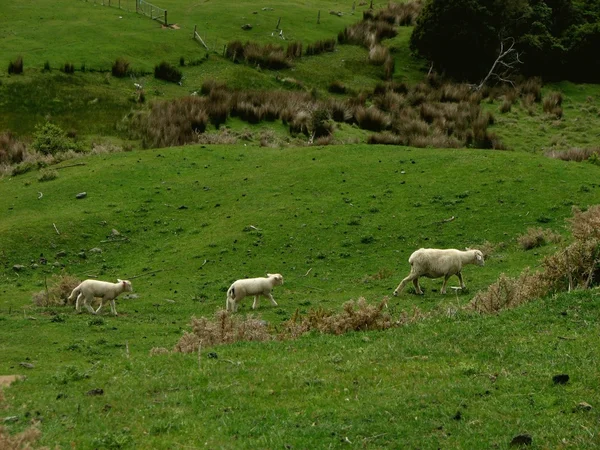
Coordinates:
(252,286)
(89,289)
(436,263)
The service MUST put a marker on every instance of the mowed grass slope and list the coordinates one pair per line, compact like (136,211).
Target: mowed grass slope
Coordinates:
(339,223)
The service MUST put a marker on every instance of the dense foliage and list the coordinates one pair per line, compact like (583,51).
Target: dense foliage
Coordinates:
(555,39)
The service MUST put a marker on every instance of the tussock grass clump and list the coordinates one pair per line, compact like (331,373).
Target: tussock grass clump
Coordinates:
(47,175)
(68,68)
(378,55)
(400,14)
(226,328)
(16,67)
(12,150)
(372,119)
(337,87)
(294,50)
(316,48)
(57,294)
(165,71)
(537,237)
(552,104)
(531,87)
(268,56)
(120,68)
(572,154)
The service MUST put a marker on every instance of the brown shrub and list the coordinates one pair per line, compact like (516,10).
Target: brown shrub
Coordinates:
(337,87)
(319,47)
(378,55)
(59,287)
(12,151)
(210,85)
(586,225)
(294,50)
(537,237)
(226,328)
(506,106)
(386,138)
(509,293)
(575,267)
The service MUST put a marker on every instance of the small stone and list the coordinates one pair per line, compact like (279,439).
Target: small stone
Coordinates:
(95,250)
(82,255)
(521,439)
(183,207)
(246,26)
(61,254)
(213,355)
(115,232)
(11,419)
(81,195)
(26,365)
(18,267)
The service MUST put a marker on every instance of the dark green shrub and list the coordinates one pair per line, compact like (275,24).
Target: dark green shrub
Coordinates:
(165,71)
(50,139)
(16,66)
(68,68)
(47,66)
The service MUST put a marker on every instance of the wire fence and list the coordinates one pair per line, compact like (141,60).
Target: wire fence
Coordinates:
(152,11)
(138,6)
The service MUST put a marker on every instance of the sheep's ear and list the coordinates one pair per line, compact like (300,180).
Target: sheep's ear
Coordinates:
(119,280)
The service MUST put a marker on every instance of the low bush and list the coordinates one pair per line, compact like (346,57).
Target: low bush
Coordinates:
(574,154)
(537,237)
(165,71)
(47,175)
(16,67)
(120,68)
(50,139)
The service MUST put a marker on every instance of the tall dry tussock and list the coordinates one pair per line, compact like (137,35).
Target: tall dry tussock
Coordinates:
(400,14)
(57,294)
(577,266)
(12,150)
(227,328)
(537,237)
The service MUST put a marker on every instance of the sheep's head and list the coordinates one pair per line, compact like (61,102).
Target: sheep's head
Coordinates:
(479,258)
(278,278)
(126,285)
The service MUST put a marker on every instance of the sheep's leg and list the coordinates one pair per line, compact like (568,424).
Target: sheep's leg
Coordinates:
(113,307)
(87,305)
(417,286)
(460,278)
(227,304)
(443,290)
(255,303)
(78,303)
(101,305)
(411,277)
(270,297)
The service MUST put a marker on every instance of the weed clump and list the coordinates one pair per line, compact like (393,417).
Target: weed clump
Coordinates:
(12,150)
(225,329)
(57,293)
(537,237)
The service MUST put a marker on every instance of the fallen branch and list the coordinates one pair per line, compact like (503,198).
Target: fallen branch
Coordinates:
(57,232)
(147,273)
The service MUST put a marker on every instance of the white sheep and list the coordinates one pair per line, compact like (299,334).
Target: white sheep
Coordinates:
(89,289)
(252,286)
(437,263)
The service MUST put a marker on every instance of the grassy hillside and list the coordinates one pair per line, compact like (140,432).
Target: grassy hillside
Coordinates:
(339,224)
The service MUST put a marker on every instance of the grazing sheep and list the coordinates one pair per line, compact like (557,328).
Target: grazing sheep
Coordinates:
(252,286)
(89,289)
(436,263)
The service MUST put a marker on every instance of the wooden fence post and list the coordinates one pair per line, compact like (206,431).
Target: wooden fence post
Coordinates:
(166,23)
(278,22)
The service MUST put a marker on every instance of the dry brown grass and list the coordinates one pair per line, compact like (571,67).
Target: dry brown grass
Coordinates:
(12,150)
(226,328)
(537,237)
(574,154)
(21,441)
(551,104)
(59,287)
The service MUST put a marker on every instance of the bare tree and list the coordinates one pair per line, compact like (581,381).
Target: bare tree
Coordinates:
(508,58)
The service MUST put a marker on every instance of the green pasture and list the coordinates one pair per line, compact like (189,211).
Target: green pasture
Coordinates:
(339,223)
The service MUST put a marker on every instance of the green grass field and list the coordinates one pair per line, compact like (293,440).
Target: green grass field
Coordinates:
(338,222)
